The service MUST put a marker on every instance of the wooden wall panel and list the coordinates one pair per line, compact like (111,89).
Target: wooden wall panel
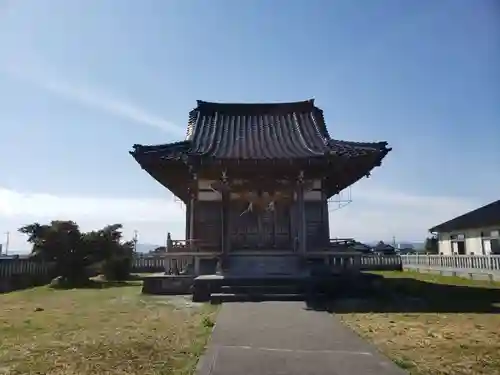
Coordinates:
(207,222)
(315,225)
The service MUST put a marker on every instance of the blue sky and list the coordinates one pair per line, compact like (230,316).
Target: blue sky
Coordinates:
(81,81)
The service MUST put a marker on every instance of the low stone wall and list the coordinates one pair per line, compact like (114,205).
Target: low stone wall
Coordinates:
(167,284)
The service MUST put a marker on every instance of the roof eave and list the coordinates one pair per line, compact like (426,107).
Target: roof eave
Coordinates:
(363,170)
(170,184)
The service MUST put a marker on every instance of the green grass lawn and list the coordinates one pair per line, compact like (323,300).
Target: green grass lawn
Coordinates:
(449,325)
(113,330)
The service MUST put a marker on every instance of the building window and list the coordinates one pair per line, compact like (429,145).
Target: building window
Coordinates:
(458,244)
(495,246)
(491,242)
(457,237)
(491,234)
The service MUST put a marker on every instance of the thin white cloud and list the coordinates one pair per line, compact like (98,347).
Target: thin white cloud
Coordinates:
(374,214)
(153,218)
(383,213)
(94,98)
(46,206)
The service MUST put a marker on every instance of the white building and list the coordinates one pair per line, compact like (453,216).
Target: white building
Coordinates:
(476,232)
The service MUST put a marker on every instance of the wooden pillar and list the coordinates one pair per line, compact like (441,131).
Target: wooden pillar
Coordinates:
(225,201)
(192,203)
(275,226)
(197,266)
(225,221)
(293,224)
(188,219)
(326,219)
(190,210)
(301,217)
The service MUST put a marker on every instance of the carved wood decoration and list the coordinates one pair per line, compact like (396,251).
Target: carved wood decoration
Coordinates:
(261,195)
(262,200)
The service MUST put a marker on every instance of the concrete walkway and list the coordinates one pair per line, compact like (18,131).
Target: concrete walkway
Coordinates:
(285,338)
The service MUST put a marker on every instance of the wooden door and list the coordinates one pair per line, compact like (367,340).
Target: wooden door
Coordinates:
(260,229)
(244,227)
(266,225)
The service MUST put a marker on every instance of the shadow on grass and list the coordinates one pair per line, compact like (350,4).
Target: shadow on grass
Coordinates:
(410,295)
(95,283)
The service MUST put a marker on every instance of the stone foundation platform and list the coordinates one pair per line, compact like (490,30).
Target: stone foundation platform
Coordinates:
(168,284)
(207,286)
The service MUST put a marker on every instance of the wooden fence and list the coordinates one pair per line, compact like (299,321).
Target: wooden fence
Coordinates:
(21,273)
(22,266)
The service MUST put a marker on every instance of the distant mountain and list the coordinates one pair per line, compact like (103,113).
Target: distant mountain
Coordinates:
(146,247)
(404,244)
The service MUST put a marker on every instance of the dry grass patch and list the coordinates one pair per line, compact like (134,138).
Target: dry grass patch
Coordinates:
(429,338)
(100,331)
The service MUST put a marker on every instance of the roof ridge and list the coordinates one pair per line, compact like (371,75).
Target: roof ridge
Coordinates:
(467,216)
(283,107)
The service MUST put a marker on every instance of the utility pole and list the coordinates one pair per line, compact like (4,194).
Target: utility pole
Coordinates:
(7,240)
(134,240)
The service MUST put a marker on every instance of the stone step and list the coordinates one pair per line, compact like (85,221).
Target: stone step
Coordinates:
(242,297)
(263,289)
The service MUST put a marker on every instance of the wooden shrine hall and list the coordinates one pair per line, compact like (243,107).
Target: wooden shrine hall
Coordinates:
(257,177)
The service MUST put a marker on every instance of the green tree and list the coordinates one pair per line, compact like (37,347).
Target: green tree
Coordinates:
(118,255)
(60,242)
(431,245)
(73,252)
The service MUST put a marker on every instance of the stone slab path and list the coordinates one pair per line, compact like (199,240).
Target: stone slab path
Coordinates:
(285,338)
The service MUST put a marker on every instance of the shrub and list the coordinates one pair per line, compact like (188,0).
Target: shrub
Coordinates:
(117,268)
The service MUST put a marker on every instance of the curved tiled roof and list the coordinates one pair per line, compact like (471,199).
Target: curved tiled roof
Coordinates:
(258,131)
(264,131)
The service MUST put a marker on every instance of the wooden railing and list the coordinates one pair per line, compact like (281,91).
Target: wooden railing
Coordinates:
(342,241)
(189,245)
(188,262)
(170,265)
